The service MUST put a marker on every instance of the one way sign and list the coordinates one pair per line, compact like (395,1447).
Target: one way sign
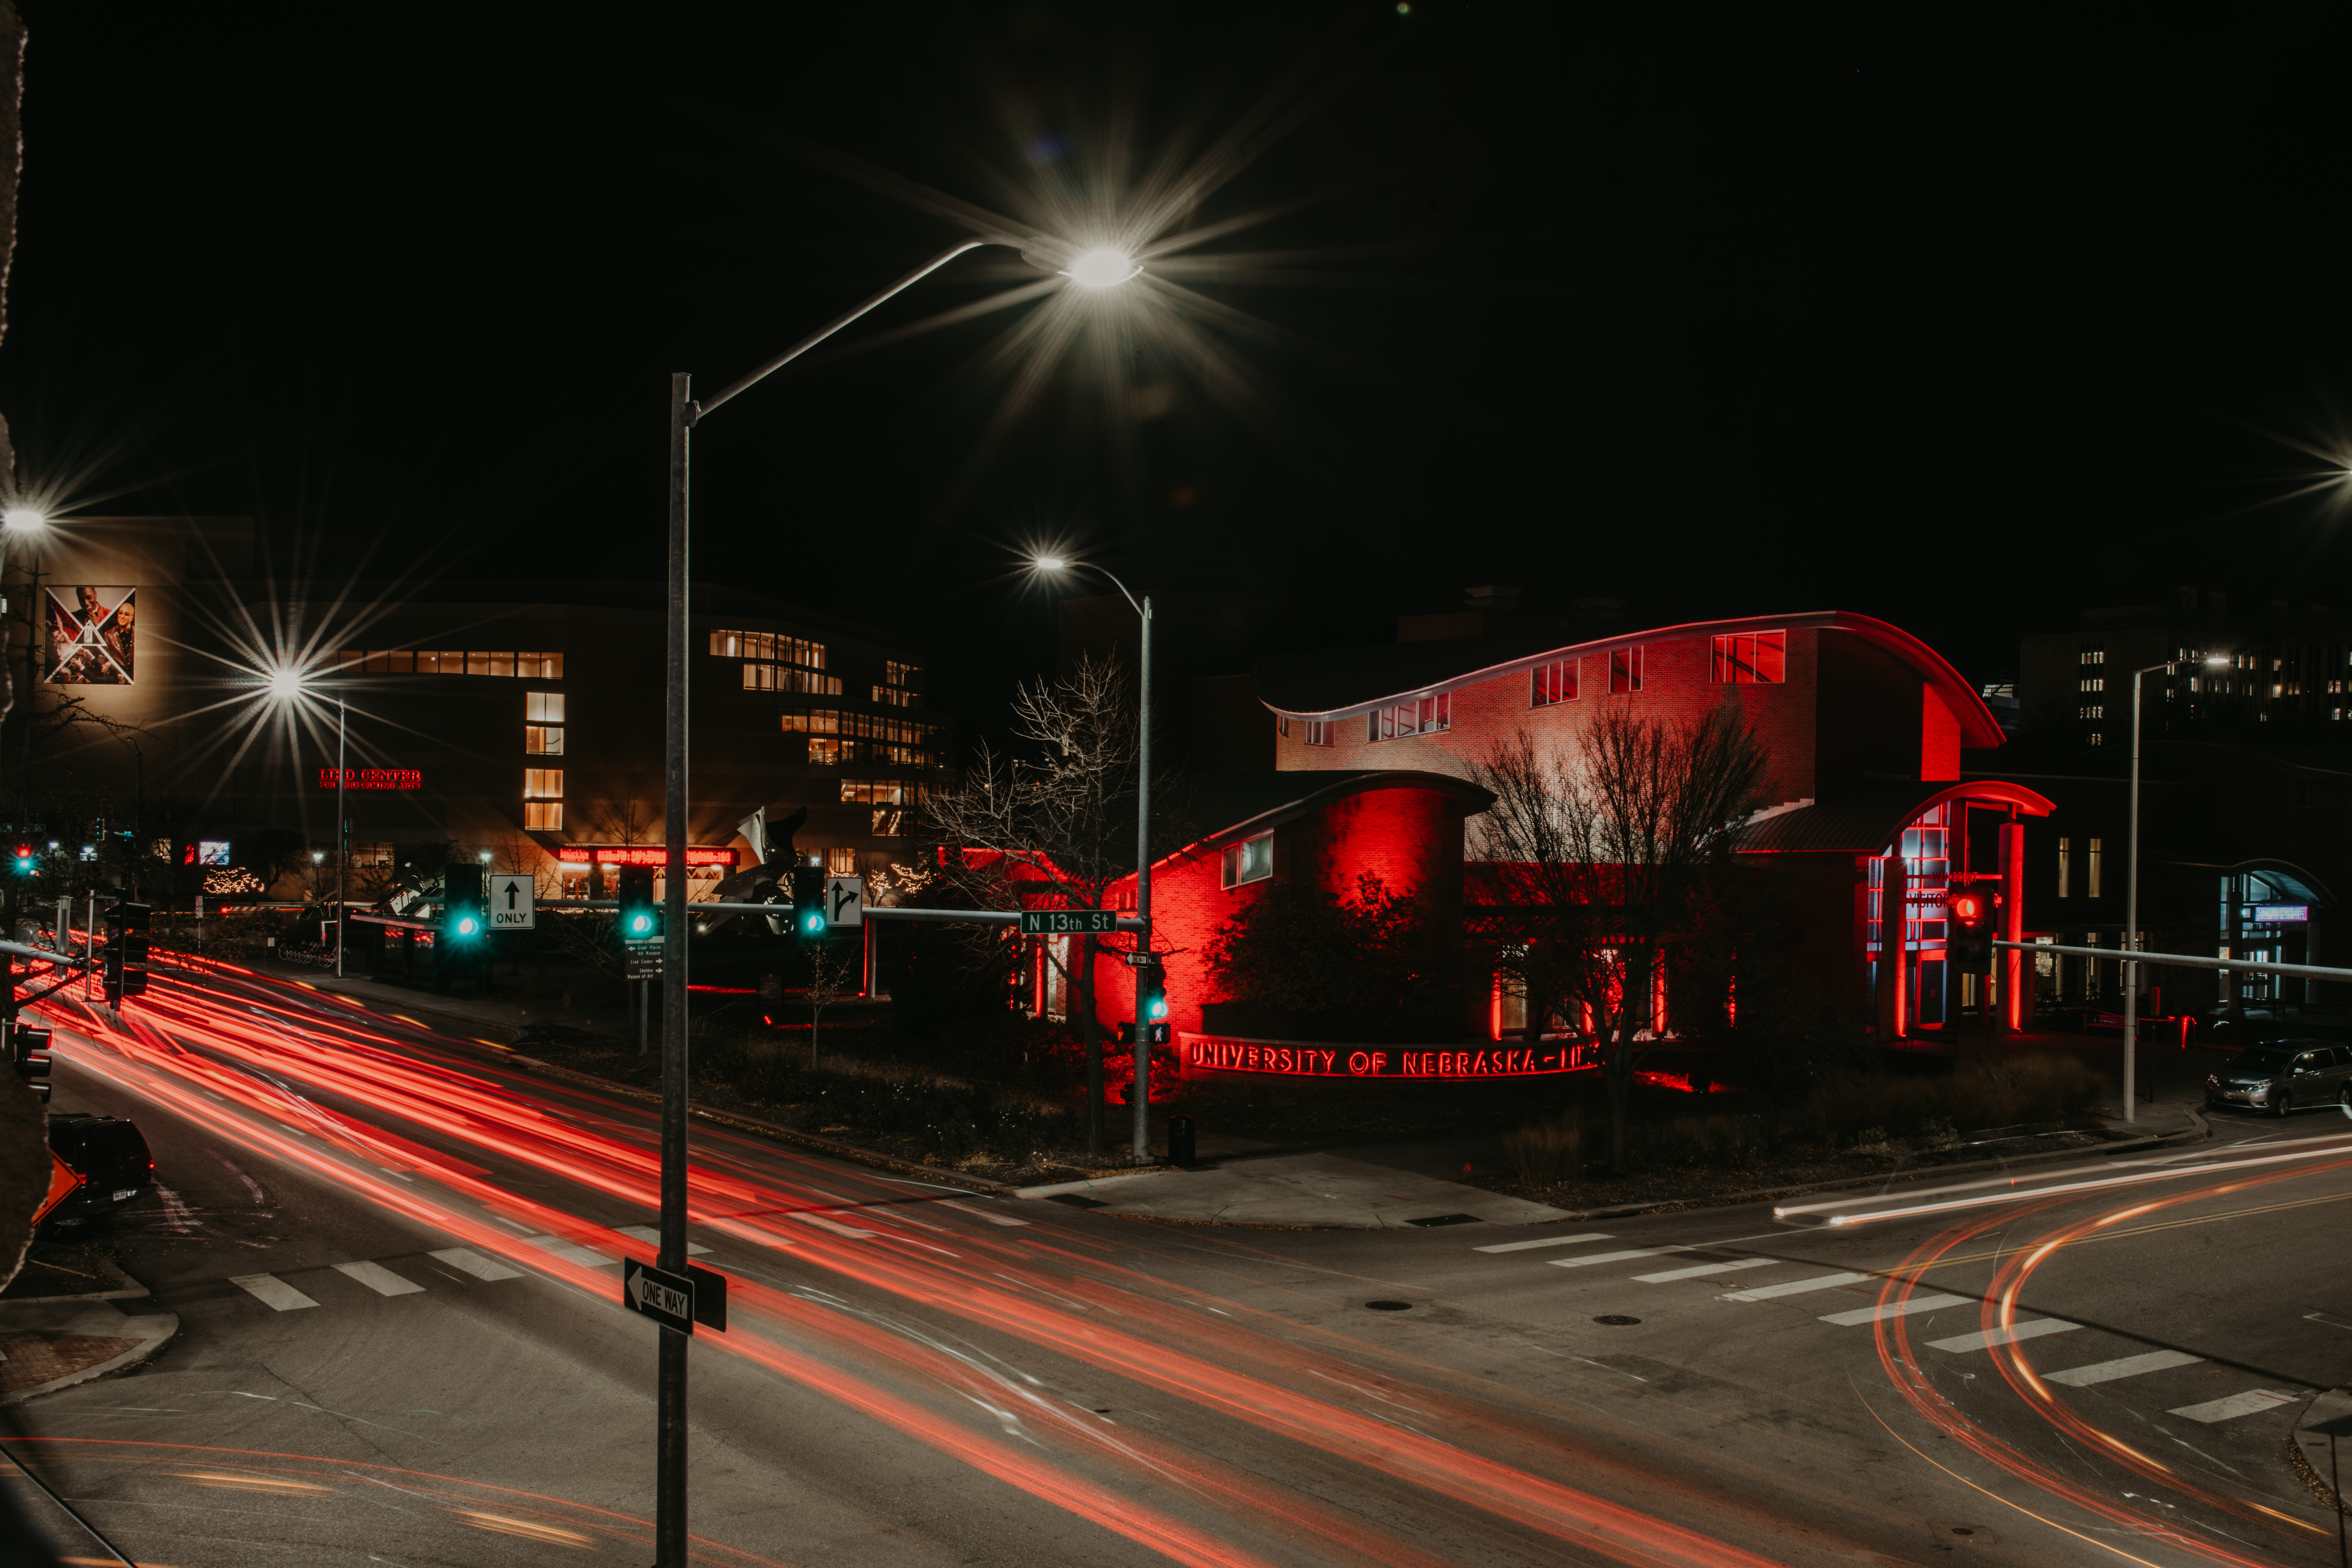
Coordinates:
(514,904)
(667,1298)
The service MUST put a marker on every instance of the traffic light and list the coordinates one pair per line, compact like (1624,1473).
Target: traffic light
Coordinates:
(641,918)
(462,920)
(124,962)
(25,859)
(808,902)
(1970,947)
(28,1051)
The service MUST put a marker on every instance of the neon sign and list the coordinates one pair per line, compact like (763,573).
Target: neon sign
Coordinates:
(1212,1053)
(373,778)
(655,855)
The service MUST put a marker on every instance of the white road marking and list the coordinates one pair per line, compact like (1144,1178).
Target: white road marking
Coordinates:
(475,1264)
(2237,1404)
(272,1291)
(380,1279)
(1988,1338)
(652,1237)
(1861,1315)
(1614,1256)
(1796,1286)
(2129,1366)
(990,1219)
(821,1223)
(1547,1241)
(572,1252)
(1695,1269)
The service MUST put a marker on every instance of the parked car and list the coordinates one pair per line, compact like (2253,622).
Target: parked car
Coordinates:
(2284,1075)
(111,1159)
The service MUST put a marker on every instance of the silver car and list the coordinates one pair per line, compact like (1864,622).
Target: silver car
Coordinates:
(2284,1076)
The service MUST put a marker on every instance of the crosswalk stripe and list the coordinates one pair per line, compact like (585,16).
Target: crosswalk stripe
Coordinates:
(1986,1339)
(571,1251)
(1885,1310)
(272,1291)
(1695,1269)
(475,1264)
(1795,1287)
(823,1223)
(2246,1403)
(1547,1241)
(1615,1256)
(990,1219)
(2128,1366)
(652,1237)
(380,1279)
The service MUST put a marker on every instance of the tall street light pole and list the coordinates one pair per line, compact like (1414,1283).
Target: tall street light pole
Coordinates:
(2131,899)
(1141,1093)
(342,835)
(1099,269)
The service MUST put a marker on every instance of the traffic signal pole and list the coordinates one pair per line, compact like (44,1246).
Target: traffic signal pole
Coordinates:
(669,1479)
(1144,984)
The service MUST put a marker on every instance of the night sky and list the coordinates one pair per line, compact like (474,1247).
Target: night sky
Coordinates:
(1967,329)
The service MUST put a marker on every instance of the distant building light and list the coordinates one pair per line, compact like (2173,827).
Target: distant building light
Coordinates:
(2278,914)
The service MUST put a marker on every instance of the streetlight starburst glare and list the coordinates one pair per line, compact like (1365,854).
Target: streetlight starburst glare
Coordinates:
(22,517)
(284,684)
(1103,267)
(1049,563)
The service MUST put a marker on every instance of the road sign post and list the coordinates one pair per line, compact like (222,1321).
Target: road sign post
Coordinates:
(668,1298)
(514,903)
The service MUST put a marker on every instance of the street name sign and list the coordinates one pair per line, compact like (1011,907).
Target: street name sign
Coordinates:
(514,903)
(667,1298)
(845,901)
(1063,923)
(1140,960)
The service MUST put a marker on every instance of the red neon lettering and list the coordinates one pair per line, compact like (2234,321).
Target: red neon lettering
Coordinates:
(1360,1063)
(1329,1058)
(1379,1061)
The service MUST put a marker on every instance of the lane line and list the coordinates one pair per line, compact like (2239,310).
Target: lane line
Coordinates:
(651,1236)
(572,1252)
(2237,1404)
(1547,1241)
(1695,1269)
(1988,1338)
(273,1292)
(1797,1286)
(983,1213)
(380,1279)
(1615,1256)
(2128,1366)
(475,1264)
(1879,1314)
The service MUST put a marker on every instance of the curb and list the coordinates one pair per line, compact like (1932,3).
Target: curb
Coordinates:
(2307,1451)
(82,1314)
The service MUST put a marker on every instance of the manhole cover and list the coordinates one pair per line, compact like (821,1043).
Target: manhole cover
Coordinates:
(1617,1321)
(1390,1306)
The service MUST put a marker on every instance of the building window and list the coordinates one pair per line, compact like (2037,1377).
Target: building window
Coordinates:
(900,684)
(2094,683)
(2093,710)
(2094,655)
(901,742)
(2065,868)
(1624,669)
(2091,867)
(543,740)
(1251,861)
(1427,716)
(840,862)
(1555,682)
(1746,659)
(543,707)
(542,816)
(889,822)
(784,678)
(448,661)
(1319,732)
(882,792)
(542,784)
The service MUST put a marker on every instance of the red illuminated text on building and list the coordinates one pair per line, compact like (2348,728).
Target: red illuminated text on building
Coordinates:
(1209,1053)
(649,854)
(373,778)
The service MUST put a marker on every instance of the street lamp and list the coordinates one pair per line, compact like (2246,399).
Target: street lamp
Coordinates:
(286,683)
(1142,1092)
(2131,896)
(1095,270)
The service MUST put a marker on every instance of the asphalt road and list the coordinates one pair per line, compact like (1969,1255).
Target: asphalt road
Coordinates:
(395,1258)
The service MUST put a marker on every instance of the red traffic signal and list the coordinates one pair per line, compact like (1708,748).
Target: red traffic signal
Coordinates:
(1971,910)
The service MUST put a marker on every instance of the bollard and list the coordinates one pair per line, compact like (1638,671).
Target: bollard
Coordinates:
(1180,1140)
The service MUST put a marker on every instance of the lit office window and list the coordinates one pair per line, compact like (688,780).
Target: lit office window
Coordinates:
(543,707)
(2091,867)
(1424,717)
(543,740)
(542,784)
(840,862)
(542,816)
(2066,867)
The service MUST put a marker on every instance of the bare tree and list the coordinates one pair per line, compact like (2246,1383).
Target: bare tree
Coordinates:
(830,978)
(1055,828)
(1599,860)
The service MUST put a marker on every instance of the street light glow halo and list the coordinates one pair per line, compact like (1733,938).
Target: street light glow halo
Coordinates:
(285,683)
(22,517)
(1105,267)
(1049,563)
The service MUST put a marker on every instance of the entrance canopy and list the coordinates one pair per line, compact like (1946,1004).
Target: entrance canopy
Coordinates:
(1866,821)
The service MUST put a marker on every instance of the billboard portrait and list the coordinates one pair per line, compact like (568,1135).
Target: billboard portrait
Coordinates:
(92,635)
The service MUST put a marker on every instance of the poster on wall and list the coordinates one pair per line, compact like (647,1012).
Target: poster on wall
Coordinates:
(92,636)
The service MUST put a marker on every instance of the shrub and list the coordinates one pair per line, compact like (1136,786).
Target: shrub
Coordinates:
(950,1119)
(1983,1092)
(1550,1153)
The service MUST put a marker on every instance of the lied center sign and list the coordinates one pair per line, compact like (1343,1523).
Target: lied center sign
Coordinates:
(1214,1053)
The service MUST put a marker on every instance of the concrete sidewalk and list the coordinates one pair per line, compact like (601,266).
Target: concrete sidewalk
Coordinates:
(49,1342)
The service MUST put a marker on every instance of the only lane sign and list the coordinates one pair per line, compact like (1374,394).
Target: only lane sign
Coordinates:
(667,1298)
(514,903)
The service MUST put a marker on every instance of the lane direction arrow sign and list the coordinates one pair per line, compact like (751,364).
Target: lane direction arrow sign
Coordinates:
(845,901)
(514,903)
(667,1298)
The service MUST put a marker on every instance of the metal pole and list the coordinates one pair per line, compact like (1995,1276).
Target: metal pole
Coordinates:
(1142,1092)
(2131,924)
(342,837)
(669,1483)
(2335,1485)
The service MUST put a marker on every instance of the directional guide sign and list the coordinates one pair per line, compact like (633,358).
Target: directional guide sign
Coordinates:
(514,904)
(845,901)
(667,1298)
(1055,922)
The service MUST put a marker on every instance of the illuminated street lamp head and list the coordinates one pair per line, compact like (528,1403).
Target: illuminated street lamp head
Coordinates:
(23,518)
(1049,563)
(2216,660)
(1103,269)
(285,685)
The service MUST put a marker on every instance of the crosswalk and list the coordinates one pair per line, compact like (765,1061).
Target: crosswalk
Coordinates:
(1711,1261)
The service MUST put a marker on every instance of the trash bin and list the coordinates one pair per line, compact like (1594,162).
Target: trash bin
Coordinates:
(1180,1140)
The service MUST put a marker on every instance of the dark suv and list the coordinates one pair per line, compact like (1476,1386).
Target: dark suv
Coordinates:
(108,1158)
(2283,1075)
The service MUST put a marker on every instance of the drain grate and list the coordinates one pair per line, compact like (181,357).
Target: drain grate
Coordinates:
(1448,1219)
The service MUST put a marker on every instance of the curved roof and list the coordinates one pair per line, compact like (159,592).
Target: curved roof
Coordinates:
(1300,691)
(1864,821)
(2297,880)
(1247,804)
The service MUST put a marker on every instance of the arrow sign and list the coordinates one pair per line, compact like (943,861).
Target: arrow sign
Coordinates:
(845,901)
(667,1298)
(514,903)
